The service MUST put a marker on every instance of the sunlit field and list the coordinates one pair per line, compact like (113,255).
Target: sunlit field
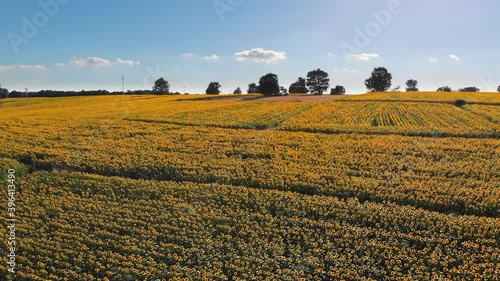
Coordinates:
(382,186)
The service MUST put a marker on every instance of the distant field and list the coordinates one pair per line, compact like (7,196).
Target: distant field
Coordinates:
(429,96)
(383,186)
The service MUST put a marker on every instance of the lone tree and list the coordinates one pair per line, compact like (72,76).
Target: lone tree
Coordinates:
(4,93)
(412,85)
(269,85)
(498,89)
(299,87)
(380,81)
(444,89)
(338,90)
(253,89)
(161,87)
(213,88)
(237,91)
(318,81)
(470,89)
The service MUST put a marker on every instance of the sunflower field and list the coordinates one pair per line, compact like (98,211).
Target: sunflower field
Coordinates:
(383,186)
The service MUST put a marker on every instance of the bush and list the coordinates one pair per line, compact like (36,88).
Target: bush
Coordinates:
(460,103)
(470,90)
(338,90)
(444,89)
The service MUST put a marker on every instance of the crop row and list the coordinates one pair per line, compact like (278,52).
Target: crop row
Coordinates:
(488,98)
(86,227)
(441,174)
(390,117)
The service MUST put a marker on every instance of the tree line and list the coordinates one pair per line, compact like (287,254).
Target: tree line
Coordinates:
(316,82)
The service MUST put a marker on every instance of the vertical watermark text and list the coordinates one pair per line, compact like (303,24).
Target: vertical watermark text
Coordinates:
(11,221)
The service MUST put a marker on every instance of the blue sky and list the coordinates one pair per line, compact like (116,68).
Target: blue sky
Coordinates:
(91,44)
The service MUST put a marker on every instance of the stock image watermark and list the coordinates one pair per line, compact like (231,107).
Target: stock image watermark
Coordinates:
(364,36)
(489,84)
(31,26)
(11,221)
(153,74)
(225,6)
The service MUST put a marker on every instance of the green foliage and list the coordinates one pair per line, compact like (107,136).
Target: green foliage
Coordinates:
(444,89)
(460,103)
(318,81)
(380,81)
(269,85)
(161,87)
(299,87)
(471,89)
(213,88)
(237,91)
(4,93)
(253,89)
(338,90)
(412,85)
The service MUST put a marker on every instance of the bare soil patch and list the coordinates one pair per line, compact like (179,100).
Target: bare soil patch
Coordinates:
(289,98)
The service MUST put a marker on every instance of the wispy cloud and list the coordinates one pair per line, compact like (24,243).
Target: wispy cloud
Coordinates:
(433,60)
(454,57)
(349,70)
(187,55)
(22,67)
(211,58)
(60,65)
(330,54)
(364,57)
(259,55)
(91,62)
(127,62)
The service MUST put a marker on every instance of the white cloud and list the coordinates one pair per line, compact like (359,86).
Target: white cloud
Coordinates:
(433,60)
(364,57)
(454,57)
(22,67)
(91,62)
(187,55)
(330,54)
(260,55)
(211,58)
(127,62)
(61,65)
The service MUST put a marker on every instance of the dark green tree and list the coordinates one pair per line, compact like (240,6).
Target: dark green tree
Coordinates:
(253,89)
(299,87)
(161,87)
(380,81)
(269,85)
(318,81)
(237,91)
(444,89)
(469,89)
(213,88)
(338,90)
(4,93)
(412,85)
